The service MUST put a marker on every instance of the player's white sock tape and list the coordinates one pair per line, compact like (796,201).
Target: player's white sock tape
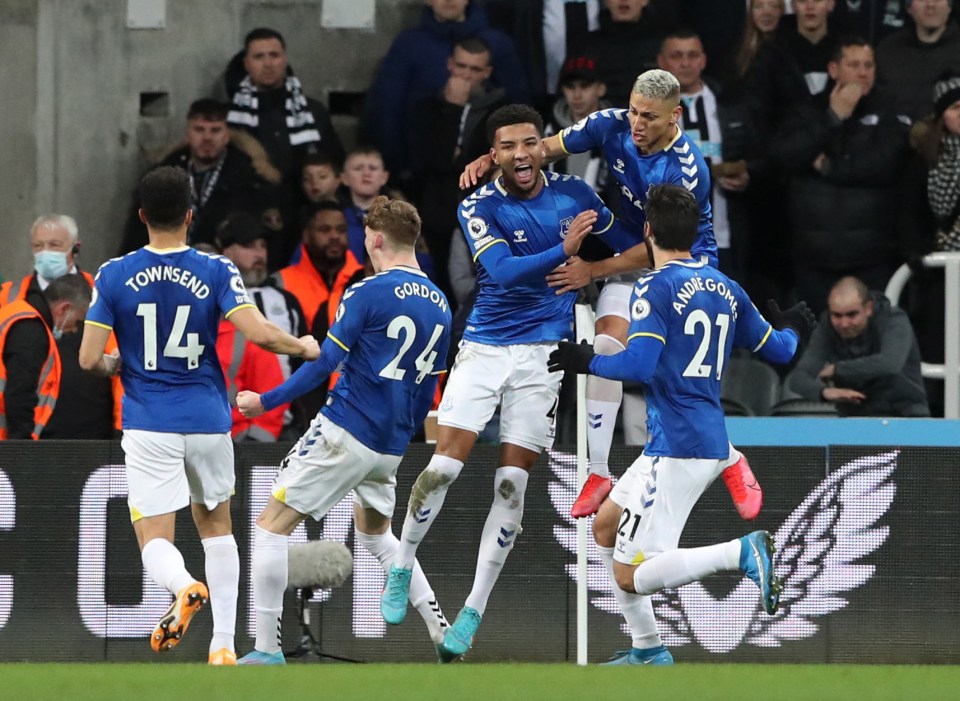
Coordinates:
(675,568)
(426,500)
(269,583)
(603,399)
(500,532)
(637,609)
(164,563)
(222,566)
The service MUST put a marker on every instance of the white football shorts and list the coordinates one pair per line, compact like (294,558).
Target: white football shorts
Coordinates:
(515,378)
(168,471)
(326,463)
(657,495)
(614,298)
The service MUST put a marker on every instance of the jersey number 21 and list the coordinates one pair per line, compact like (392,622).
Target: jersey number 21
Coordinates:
(698,323)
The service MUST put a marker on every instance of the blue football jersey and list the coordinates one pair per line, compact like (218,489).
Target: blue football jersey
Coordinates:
(395,327)
(492,221)
(680,163)
(699,314)
(164,306)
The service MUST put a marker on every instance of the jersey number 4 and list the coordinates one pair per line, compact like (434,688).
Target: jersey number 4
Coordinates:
(699,323)
(424,362)
(174,347)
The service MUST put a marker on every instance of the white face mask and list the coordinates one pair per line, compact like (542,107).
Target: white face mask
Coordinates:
(57,331)
(50,264)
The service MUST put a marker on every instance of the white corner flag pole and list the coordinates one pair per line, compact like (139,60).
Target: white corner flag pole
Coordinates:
(584,318)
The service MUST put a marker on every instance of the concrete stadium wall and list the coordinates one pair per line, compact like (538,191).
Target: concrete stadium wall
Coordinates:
(74,139)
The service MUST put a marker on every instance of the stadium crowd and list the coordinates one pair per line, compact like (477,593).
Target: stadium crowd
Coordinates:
(831,130)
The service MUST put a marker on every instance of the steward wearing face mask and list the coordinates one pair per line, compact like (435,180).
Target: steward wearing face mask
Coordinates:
(30,367)
(89,405)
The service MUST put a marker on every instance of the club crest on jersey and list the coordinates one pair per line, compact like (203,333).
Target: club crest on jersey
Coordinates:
(565,226)
(640,309)
(476,227)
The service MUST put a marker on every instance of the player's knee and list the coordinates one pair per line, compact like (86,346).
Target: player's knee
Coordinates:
(623,574)
(604,344)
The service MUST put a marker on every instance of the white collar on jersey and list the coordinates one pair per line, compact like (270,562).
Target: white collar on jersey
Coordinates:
(689,263)
(498,183)
(163,251)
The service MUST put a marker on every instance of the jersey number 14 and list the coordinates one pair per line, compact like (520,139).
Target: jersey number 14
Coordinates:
(174,347)
(424,362)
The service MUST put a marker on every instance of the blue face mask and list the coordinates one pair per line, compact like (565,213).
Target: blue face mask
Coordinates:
(50,264)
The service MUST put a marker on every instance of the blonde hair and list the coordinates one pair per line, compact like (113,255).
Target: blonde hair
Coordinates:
(657,84)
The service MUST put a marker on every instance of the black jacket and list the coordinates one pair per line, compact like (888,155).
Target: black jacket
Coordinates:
(883,363)
(238,188)
(844,216)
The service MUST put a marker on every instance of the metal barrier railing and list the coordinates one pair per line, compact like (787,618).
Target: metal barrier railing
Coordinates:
(949,371)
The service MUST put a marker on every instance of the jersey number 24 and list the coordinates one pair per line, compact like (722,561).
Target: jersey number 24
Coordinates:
(424,362)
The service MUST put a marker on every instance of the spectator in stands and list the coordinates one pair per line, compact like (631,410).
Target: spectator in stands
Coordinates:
(546,32)
(243,239)
(763,18)
(448,133)
(30,363)
(874,20)
(791,68)
(865,360)
(88,407)
(364,177)
(415,68)
(325,269)
(320,178)
(627,42)
(910,61)
(843,153)
(582,92)
(930,219)
(230,171)
(721,129)
(719,24)
(270,104)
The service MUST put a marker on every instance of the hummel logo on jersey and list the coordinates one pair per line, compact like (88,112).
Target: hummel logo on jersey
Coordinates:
(520,236)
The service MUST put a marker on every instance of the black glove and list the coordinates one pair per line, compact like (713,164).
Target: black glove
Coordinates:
(798,317)
(571,357)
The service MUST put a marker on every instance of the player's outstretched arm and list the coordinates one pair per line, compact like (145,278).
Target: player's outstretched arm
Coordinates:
(637,363)
(92,357)
(264,333)
(307,377)
(249,404)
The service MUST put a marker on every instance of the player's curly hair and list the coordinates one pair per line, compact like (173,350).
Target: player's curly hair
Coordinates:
(513,114)
(395,219)
(674,216)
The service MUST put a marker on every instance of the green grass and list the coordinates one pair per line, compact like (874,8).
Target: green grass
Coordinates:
(462,682)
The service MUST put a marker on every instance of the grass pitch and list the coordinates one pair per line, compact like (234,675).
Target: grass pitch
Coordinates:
(464,682)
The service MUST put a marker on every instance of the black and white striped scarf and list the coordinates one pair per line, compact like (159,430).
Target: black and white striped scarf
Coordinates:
(301,125)
(943,193)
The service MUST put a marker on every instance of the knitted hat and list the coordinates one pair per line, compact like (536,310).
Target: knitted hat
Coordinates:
(945,93)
